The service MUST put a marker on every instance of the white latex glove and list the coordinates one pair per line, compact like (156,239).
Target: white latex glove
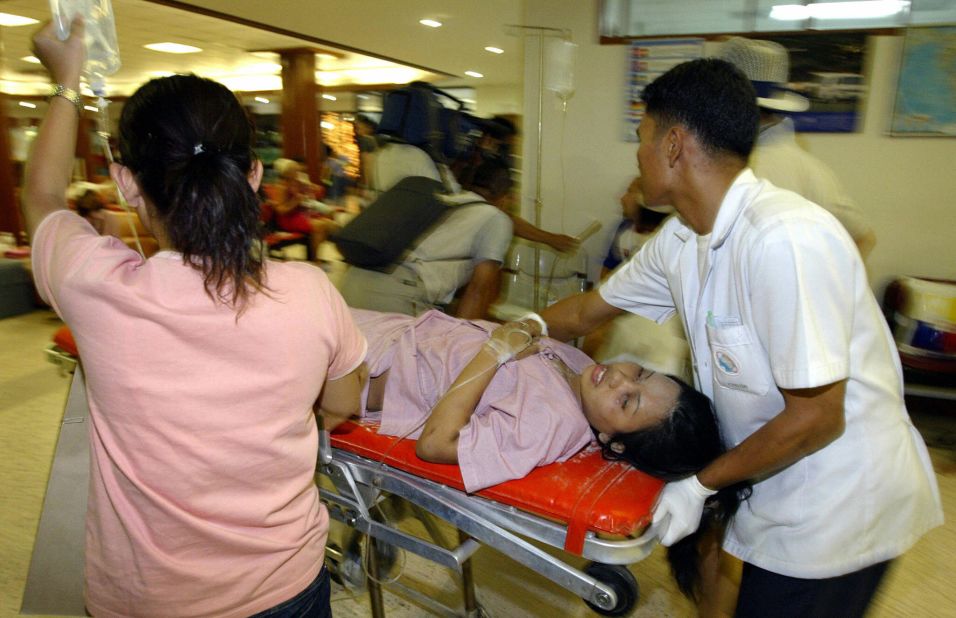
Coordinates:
(679,509)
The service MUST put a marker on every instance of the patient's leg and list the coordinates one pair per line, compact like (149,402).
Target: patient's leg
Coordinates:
(376,392)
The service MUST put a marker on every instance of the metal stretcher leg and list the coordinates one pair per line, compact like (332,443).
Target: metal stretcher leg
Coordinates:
(360,481)
(373,579)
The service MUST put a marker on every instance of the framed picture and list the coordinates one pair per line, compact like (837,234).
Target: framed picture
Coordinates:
(827,68)
(646,61)
(926,89)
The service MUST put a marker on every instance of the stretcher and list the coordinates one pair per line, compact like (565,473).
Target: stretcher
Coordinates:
(587,506)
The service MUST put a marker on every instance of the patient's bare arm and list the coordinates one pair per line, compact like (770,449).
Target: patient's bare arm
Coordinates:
(376,392)
(439,439)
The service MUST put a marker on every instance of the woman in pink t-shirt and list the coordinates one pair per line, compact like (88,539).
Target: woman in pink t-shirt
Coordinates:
(203,363)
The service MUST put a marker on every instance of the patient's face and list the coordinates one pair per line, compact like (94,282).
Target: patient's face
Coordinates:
(625,397)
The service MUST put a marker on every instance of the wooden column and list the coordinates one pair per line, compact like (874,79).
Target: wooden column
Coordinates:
(9,211)
(301,137)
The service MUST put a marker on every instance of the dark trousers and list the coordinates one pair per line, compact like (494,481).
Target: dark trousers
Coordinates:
(313,602)
(768,595)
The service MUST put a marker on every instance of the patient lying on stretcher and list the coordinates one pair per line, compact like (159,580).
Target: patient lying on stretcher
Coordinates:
(437,379)
(499,403)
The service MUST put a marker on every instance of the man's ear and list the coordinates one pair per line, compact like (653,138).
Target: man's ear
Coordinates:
(255,175)
(674,143)
(126,184)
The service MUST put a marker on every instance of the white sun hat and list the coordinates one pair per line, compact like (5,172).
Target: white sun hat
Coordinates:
(767,65)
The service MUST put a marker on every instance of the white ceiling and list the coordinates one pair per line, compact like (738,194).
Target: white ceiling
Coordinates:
(387,30)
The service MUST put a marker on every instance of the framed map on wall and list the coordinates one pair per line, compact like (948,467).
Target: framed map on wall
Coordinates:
(926,90)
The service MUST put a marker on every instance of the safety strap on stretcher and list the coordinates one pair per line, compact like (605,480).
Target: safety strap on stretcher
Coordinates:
(586,492)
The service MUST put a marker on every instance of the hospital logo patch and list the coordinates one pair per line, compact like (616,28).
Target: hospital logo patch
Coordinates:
(726,362)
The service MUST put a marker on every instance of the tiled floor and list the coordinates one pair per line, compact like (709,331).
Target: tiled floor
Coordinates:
(32,396)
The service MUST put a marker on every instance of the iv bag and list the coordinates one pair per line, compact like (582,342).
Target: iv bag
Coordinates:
(102,50)
(559,68)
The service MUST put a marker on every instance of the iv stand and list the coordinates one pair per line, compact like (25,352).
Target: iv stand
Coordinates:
(540,32)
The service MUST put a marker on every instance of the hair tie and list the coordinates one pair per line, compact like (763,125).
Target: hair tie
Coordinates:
(198,148)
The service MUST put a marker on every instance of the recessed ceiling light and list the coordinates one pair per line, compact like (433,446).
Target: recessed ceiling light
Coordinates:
(31,59)
(90,108)
(173,48)
(27,104)
(329,97)
(431,23)
(262,100)
(7,19)
(473,74)
(494,50)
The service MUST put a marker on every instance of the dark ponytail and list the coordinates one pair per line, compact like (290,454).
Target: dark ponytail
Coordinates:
(680,445)
(189,143)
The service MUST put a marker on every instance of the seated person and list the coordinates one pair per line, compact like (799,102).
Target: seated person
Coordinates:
(289,208)
(638,225)
(482,396)
(463,250)
(661,347)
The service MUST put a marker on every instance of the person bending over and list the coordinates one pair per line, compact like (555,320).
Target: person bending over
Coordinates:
(202,500)
(462,253)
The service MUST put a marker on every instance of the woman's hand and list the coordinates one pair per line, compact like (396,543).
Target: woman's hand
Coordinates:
(63,59)
(512,340)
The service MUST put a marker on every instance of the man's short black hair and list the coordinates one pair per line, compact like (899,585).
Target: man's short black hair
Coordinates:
(492,178)
(713,99)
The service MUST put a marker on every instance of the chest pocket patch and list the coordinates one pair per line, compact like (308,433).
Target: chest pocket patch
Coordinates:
(737,357)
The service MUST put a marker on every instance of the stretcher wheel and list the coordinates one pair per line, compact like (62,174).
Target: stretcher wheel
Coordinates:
(621,580)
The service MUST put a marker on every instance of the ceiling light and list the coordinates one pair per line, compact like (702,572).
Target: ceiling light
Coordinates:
(31,59)
(6,19)
(327,125)
(860,9)
(262,100)
(27,104)
(473,74)
(90,108)
(431,23)
(494,50)
(173,48)
(329,97)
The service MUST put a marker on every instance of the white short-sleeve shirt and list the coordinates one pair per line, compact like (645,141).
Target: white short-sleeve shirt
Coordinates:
(785,303)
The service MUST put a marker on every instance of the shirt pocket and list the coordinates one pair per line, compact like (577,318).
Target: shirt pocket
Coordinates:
(737,357)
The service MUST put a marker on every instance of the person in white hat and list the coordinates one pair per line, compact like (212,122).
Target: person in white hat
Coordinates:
(776,155)
(791,345)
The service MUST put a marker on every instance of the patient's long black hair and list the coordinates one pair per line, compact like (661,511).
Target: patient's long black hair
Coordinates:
(683,444)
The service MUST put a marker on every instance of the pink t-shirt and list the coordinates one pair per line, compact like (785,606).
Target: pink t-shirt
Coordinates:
(203,442)
(527,417)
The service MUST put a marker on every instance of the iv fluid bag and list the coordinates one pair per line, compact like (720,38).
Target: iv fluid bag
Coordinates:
(102,50)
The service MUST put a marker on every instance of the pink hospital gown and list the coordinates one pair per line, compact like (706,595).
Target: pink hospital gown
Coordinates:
(527,417)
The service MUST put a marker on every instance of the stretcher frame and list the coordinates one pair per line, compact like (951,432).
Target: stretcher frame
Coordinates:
(361,481)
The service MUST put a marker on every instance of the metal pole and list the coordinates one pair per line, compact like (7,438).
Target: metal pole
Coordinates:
(536,304)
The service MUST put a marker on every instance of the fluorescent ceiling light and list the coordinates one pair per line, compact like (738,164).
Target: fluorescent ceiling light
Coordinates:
(861,9)
(494,50)
(262,100)
(473,74)
(7,19)
(31,59)
(173,48)
(431,23)
(27,104)
(329,97)
(90,108)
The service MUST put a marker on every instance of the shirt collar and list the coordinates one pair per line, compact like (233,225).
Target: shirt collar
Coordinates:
(730,207)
